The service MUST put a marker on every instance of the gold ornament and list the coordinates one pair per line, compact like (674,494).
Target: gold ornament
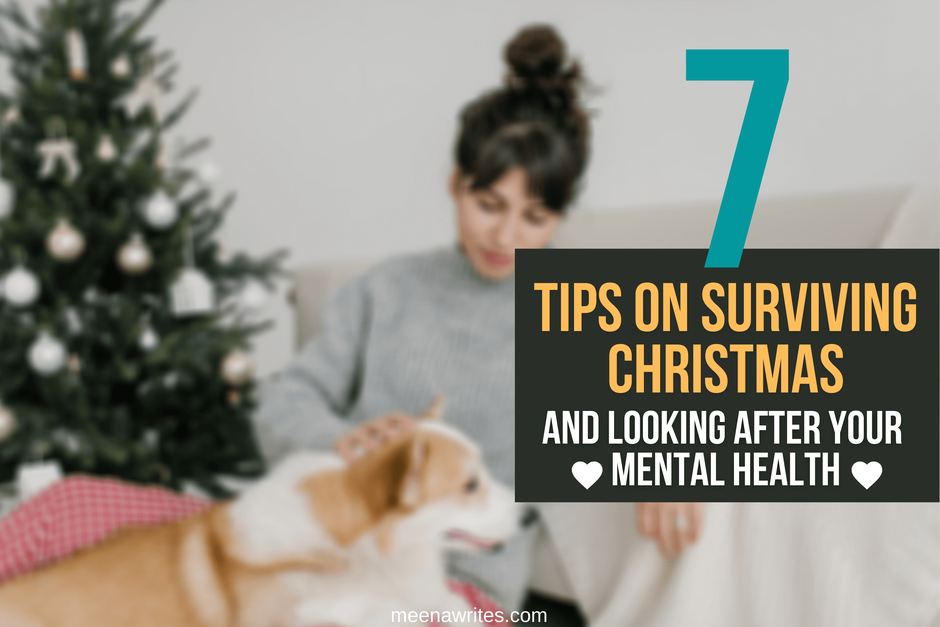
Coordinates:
(11,115)
(7,422)
(121,67)
(134,257)
(106,150)
(74,364)
(65,243)
(234,397)
(237,368)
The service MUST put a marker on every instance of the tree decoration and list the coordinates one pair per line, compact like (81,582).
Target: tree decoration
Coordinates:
(147,92)
(111,347)
(47,354)
(55,149)
(253,296)
(20,287)
(161,210)
(77,55)
(148,339)
(106,151)
(65,243)
(237,368)
(121,67)
(192,293)
(134,258)
(11,115)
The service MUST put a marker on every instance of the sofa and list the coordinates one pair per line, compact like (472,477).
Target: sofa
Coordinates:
(756,563)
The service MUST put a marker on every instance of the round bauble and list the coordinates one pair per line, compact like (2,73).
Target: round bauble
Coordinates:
(47,354)
(121,67)
(253,296)
(148,339)
(7,422)
(237,368)
(106,151)
(65,243)
(134,257)
(20,287)
(161,211)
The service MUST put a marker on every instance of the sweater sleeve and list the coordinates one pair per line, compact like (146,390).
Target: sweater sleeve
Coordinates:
(306,407)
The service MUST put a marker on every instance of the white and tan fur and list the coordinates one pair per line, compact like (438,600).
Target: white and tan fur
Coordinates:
(317,541)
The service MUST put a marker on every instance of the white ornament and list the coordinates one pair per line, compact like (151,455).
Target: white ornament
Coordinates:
(192,293)
(161,211)
(148,339)
(146,92)
(254,295)
(61,148)
(134,257)
(77,55)
(121,67)
(237,368)
(47,354)
(208,172)
(7,422)
(7,196)
(65,243)
(11,116)
(20,287)
(106,150)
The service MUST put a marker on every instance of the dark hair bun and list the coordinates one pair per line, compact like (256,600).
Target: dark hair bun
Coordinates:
(535,122)
(537,61)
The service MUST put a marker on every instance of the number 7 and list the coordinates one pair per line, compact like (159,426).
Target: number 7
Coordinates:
(770,71)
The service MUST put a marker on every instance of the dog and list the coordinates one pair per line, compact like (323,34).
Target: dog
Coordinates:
(316,542)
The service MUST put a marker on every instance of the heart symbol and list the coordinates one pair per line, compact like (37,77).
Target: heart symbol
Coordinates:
(587,474)
(866,474)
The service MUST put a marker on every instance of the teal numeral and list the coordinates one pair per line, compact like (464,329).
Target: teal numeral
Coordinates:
(770,71)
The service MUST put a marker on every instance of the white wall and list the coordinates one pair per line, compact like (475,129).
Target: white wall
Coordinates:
(334,121)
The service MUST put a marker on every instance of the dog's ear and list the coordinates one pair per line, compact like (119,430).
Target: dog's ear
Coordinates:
(409,492)
(435,411)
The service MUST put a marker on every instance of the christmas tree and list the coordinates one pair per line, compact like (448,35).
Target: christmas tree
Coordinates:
(123,324)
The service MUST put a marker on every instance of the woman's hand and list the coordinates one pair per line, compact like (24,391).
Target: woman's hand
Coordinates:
(674,526)
(371,434)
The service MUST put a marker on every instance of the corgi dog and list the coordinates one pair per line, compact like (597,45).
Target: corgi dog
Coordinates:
(316,542)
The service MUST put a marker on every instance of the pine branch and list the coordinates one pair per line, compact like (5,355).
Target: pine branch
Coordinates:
(14,13)
(179,111)
(193,148)
(135,26)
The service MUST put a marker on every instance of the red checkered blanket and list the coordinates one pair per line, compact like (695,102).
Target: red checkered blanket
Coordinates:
(79,510)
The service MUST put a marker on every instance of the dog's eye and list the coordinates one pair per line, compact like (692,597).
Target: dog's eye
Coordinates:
(472,485)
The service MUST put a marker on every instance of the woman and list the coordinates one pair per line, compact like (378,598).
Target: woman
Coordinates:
(442,322)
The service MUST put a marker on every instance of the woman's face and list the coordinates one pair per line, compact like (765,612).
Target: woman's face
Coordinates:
(493,222)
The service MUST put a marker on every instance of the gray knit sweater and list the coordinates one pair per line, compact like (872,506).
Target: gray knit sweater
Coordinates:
(393,338)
